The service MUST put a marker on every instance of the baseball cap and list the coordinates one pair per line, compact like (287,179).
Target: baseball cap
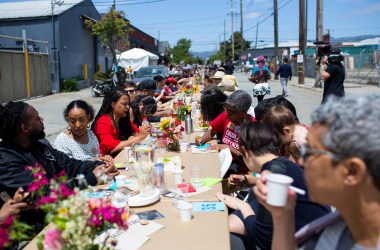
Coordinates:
(147,84)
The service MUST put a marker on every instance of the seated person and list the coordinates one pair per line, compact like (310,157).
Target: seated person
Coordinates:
(212,105)
(260,145)
(228,123)
(23,144)
(112,125)
(171,83)
(78,141)
(341,160)
(143,108)
(131,88)
(161,88)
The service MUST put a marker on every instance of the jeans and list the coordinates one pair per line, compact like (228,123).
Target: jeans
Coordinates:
(284,83)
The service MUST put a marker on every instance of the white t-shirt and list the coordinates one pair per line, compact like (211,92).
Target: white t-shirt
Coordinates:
(78,150)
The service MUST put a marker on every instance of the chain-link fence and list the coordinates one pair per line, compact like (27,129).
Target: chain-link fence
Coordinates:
(360,67)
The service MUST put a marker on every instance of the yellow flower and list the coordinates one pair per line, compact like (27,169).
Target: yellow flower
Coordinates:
(63,211)
(188,108)
(164,124)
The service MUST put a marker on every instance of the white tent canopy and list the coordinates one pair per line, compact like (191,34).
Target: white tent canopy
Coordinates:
(137,58)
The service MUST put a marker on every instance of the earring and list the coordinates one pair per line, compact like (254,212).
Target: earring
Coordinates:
(88,125)
(346,181)
(69,129)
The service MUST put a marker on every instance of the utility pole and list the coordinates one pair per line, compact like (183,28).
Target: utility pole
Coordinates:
(224,42)
(319,30)
(232,32)
(241,31)
(302,43)
(275,14)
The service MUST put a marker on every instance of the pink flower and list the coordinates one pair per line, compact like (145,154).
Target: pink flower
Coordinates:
(94,220)
(169,140)
(8,222)
(65,191)
(45,200)
(53,239)
(4,238)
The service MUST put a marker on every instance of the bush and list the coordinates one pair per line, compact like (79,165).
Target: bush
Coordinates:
(69,85)
(100,76)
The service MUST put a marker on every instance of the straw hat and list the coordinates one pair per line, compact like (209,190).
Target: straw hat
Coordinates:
(227,85)
(218,75)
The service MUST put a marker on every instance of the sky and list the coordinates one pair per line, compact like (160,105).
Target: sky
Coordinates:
(201,21)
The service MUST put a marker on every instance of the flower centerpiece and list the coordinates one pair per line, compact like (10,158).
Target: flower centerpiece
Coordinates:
(73,220)
(172,132)
(188,89)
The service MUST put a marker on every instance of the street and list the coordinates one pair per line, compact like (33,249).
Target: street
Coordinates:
(304,97)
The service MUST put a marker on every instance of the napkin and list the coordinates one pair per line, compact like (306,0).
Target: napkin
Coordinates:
(208,182)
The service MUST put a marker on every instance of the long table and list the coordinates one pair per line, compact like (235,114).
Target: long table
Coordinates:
(207,230)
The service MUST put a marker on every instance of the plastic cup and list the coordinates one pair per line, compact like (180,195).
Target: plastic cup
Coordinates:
(278,186)
(196,174)
(184,146)
(121,180)
(178,179)
(185,210)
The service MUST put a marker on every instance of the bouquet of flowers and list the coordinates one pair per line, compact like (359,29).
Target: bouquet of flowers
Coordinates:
(172,132)
(74,221)
(188,89)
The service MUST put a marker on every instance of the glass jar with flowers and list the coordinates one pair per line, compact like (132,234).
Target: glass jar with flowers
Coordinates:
(173,133)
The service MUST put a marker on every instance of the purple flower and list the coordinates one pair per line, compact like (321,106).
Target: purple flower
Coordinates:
(53,239)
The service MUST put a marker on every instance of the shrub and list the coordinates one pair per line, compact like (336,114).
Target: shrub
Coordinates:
(69,85)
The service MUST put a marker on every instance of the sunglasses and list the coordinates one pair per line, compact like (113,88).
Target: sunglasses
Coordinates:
(131,91)
(306,152)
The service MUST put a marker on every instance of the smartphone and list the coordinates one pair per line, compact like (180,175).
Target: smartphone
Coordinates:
(5,196)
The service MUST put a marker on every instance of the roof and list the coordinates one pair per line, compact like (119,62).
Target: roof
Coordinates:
(30,9)
(371,41)
(285,44)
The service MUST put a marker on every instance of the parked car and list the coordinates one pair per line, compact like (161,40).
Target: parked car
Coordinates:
(149,72)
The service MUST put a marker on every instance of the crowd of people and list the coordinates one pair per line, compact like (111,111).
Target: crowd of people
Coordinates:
(334,159)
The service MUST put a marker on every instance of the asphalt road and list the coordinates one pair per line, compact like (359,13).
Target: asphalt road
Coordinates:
(304,97)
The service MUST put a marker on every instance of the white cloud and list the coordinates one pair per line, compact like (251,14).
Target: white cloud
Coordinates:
(252,15)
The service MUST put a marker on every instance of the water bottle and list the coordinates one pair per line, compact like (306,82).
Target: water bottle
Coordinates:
(188,123)
(145,121)
(158,176)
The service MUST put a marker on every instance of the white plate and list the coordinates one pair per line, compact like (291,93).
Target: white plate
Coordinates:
(139,201)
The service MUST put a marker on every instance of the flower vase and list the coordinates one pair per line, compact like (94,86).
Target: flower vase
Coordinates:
(173,146)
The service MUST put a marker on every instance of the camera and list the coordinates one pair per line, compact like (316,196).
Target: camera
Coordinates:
(325,49)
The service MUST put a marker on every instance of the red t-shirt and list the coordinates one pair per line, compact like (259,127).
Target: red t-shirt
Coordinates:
(230,131)
(107,134)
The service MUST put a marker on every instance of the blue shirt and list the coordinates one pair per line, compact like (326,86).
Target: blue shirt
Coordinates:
(285,71)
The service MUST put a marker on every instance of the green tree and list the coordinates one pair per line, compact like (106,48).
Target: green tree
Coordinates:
(112,29)
(228,44)
(181,51)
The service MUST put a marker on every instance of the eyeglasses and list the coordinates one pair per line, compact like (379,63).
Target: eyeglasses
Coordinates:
(306,152)
(131,91)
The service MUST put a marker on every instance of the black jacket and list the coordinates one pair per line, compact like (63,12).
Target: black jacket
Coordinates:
(14,159)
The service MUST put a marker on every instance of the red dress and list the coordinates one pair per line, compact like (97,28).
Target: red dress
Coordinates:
(108,135)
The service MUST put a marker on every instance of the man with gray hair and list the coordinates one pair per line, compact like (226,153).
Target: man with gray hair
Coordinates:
(228,123)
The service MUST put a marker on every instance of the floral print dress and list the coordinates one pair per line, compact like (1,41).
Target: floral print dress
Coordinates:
(260,78)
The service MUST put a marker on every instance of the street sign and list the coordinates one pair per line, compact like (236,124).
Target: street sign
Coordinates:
(243,57)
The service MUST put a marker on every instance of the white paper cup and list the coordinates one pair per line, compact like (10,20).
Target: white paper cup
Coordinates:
(278,186)
(185,210)
(121,180)
(178,179)
(184,146)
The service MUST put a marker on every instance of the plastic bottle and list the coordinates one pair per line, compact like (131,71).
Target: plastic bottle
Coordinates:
(145,121)
(120,198)
(158,176)
(188,123)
